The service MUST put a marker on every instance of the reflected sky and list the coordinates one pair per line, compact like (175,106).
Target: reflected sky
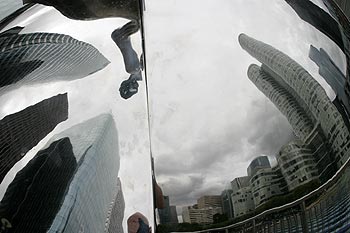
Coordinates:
(91,96)
(208,121)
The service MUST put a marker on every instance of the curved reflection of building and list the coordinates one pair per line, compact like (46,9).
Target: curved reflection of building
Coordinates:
(21,131)
(94,187)
(266,183)
(308,91)
(34,197)
(242,198)
(85,9)
(320,19)
(44,57)
(116,212)
(334,77)
(297,164)
(71,185)
(258,163)
(286,103)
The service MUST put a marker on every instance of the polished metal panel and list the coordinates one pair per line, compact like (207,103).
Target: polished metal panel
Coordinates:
(174,116)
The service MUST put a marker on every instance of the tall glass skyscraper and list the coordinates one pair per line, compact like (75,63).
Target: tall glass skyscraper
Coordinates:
(87,204)
(68,185)
(304,95)
(45,57)
(21,131)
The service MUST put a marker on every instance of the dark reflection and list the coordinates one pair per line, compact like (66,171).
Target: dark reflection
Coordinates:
(318,18)
(94,200)
(85,9)
(121,37)
(21,131)
(5,21)
(72,185)
(44,57)
(335,78)
(34,197)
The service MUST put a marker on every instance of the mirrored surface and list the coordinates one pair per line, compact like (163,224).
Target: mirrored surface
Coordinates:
(174,116)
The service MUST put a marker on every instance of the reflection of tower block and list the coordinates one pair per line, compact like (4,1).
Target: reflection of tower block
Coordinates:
(323,154)
(347,86)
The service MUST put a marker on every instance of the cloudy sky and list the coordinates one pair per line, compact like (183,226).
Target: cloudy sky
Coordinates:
(208,121)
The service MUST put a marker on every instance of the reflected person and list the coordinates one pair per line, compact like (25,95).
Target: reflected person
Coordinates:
(138,223)
(121,37)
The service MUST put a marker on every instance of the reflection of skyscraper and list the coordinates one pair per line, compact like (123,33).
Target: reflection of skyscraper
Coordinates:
(258,163)
(116,213)
(242,198)
(44,57)
(318,18)
(87,10)
(33,199)
(168,214)
(227,207)
(331,73)
(94,188)
(21,131)
(297,163)
(308,94)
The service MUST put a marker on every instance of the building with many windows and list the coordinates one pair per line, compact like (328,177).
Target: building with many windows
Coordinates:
(36,58)
(88,204)
(310,99)
(257,164)
(209,201)
(266,184)
(242,198)
(192,214)
(298,165)
(21,131)
(34,197)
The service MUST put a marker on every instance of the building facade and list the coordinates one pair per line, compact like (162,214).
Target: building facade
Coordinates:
(332,74)
(307,91)
(21,131)
(37,191)
(209,201)
(266,184)
(87,205)
(227,207)
(192,214)
(257,164)
(168,214)
(298,165)
(242,201)
(45,57)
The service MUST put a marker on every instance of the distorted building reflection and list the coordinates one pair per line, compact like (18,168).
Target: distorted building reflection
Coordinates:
(34,197)
(168,214)
(204,211)
(320,19)
(87,10)
(70,186)
(334,77)
(280,75)
(36,58)
(95,187)
(322,143)
(21,131)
